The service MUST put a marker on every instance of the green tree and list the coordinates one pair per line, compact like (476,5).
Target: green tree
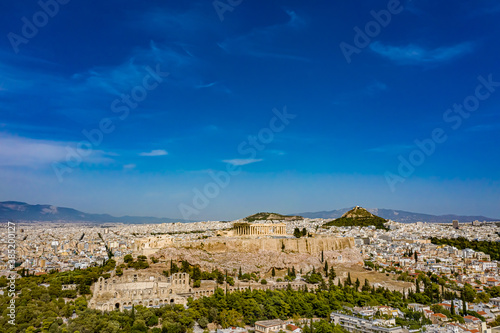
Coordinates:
(230,280)
(469,293)
(348,281)
(332,273)
(357,284)
(366,286)
(203,322)
(231,318)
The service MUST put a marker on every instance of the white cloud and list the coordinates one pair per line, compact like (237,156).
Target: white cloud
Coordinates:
(20,151)
(242,161)
(155,152)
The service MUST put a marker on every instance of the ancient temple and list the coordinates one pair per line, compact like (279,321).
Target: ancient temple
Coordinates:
(258,229)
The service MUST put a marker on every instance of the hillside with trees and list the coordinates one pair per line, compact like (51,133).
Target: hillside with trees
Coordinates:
(491,248)
(271,216)
(358,217)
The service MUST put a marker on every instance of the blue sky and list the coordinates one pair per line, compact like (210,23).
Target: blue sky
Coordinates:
(171,91)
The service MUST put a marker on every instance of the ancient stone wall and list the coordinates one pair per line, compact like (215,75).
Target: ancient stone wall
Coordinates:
(291,245)
(139,288)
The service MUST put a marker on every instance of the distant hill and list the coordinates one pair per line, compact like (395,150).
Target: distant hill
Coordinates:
(399,216)
(358,217)
(23,212)
(271,216)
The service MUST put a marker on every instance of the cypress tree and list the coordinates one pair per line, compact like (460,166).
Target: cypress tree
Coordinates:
(464,305)
(273,272)
(332,273)
(326,268)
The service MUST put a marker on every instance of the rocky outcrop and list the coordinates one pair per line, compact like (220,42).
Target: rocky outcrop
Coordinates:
(358,213)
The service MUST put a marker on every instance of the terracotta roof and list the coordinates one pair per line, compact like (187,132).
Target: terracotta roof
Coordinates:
(439,315)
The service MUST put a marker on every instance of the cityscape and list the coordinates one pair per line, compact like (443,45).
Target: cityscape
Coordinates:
(232,166)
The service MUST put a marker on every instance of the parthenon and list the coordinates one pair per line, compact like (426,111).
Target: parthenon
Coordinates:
(257,229)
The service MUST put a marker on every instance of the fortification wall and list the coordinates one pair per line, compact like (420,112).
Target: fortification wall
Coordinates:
(293,245)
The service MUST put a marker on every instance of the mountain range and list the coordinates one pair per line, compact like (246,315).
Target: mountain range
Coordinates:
(23,212)
(398,216)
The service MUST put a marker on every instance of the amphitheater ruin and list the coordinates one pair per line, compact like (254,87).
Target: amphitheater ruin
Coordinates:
(151,289)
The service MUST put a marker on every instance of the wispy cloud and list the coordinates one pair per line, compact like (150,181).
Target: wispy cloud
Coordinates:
(375,87)
(156,152)
(370,90)
(206,85)
(129,166)
(103,83)
(484,128)
(276,152)
(480,8)
(244,161)
(390,149)
(20,151)
(414,54)
(264,42)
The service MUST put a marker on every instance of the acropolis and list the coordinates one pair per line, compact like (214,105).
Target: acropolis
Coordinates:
(258,229)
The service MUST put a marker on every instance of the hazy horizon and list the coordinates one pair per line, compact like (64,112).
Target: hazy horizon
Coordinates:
(137,108)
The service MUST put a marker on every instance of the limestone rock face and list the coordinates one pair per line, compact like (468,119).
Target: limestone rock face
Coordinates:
(358,212)
(261,255)
(297,245)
